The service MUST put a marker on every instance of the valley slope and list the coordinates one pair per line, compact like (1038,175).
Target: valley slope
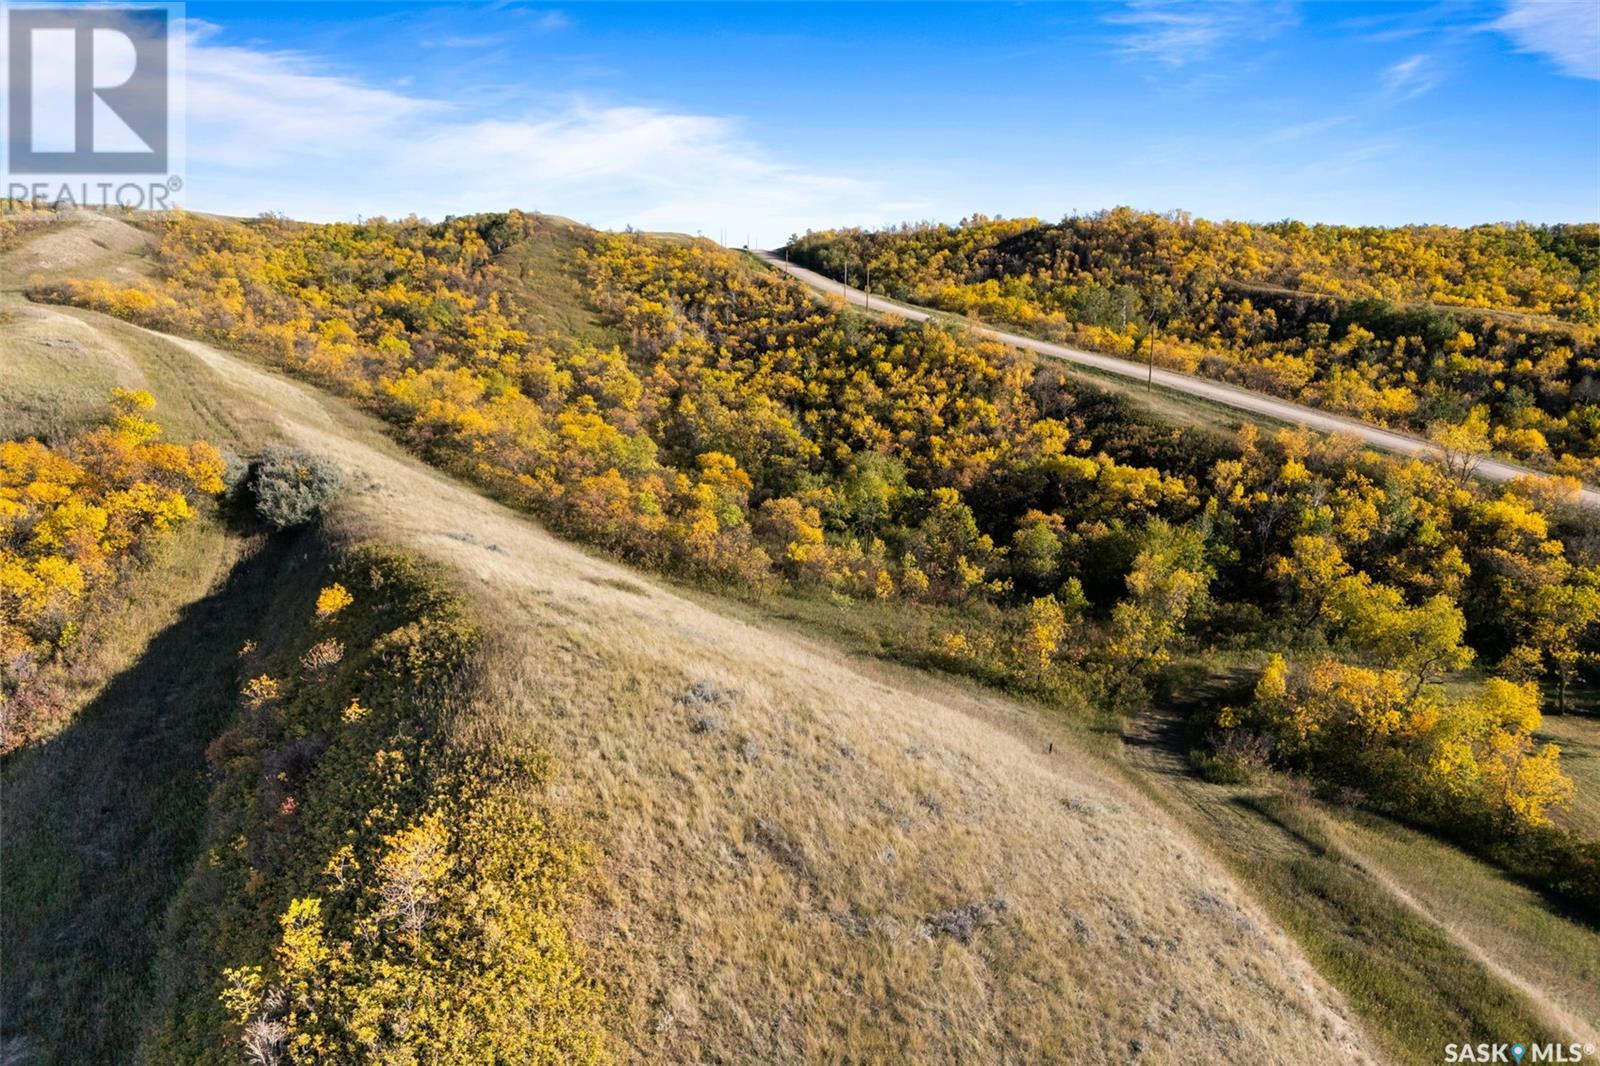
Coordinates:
(800,857)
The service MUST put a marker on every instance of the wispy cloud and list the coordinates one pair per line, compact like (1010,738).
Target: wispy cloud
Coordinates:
(551,20)
(279,131)
(1386,24)
(1411,77)
(1299,131)
(539,18)
(1567,32)
(1180,32)
(485,40)
(250,108)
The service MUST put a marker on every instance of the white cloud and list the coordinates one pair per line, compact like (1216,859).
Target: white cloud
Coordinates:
(1567,32)
(484,40)
(1299,131)
(278,131)
(550,20)
(260,109)
(1179,32)
(1410,77)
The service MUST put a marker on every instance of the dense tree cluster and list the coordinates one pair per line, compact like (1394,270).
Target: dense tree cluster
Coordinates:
(76,517)
(741,420)
(1415,327)
(742,431)
(1376,727)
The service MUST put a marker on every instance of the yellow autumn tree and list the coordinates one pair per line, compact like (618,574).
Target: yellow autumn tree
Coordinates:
(76,518)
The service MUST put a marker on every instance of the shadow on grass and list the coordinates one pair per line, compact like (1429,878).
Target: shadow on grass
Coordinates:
(1168,727)
(102,823)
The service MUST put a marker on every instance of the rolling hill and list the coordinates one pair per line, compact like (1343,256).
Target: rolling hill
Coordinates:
(795,853)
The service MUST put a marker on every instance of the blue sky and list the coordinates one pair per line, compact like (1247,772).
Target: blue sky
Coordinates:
(758,120)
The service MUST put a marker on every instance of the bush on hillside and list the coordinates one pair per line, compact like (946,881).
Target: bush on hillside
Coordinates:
(293,487)
(77,518)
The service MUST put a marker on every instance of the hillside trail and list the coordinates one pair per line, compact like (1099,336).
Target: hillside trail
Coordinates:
(786,835)
(1557,1016)
(1156,748)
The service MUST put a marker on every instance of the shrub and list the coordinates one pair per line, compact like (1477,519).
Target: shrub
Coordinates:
(1233,758)
(322,656)
(235,472)
(293,487)
(332,600)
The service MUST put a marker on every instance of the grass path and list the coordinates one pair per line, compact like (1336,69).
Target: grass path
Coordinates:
(1548,1005)
(1416,982)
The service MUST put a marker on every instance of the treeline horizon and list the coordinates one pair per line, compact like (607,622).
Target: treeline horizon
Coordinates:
(1425,329)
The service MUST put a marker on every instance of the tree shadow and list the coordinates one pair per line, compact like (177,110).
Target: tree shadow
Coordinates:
(1167,726)
(102,823)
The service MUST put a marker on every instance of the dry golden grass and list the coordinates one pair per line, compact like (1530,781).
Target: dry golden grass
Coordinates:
(57,370)
(786,867)
(78,244)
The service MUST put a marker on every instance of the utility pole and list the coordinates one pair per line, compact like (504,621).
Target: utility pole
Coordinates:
(866,293)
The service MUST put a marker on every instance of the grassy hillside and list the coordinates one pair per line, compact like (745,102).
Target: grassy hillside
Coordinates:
(536,270)
(102,823)
(1423,939)
(981,877)
(779,834)
(155,846)
(377,882)
(169,842)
